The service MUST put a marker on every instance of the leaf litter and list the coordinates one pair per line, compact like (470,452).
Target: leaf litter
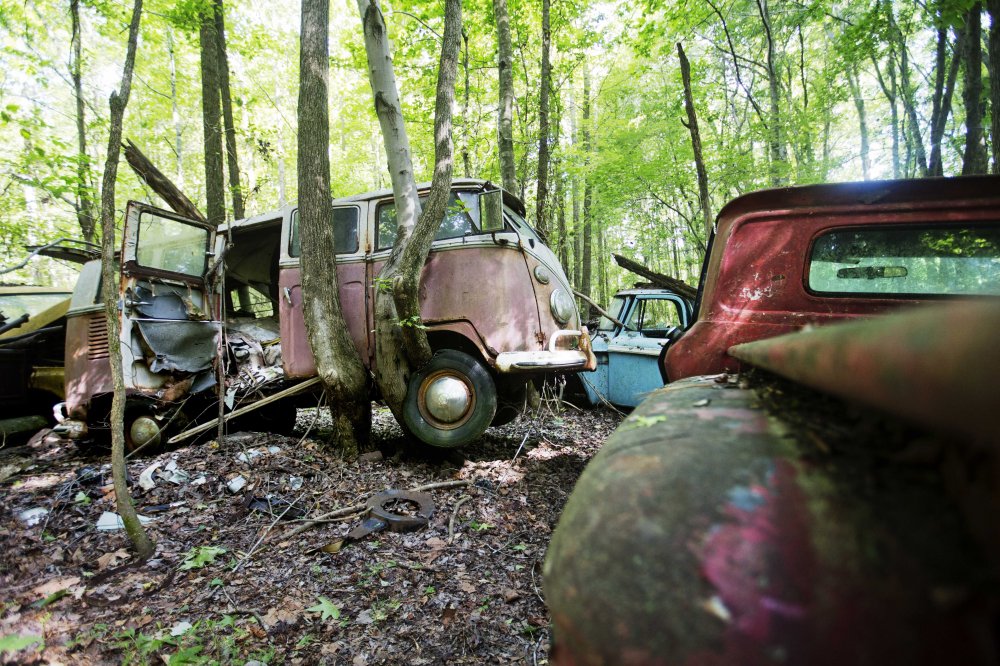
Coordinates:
(253,584)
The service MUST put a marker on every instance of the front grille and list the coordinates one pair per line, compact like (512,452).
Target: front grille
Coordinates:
(97,339)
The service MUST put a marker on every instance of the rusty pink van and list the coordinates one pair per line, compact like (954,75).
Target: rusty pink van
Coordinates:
(497,305)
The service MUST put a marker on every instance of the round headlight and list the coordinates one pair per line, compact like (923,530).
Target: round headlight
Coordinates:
(542,274)
(562,306)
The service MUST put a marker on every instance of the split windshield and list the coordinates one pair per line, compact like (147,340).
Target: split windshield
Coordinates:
(167,244)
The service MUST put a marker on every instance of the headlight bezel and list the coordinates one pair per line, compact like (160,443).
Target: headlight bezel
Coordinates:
(561,306)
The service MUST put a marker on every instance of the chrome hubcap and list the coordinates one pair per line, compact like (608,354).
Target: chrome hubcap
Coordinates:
(447,399)
(144,430)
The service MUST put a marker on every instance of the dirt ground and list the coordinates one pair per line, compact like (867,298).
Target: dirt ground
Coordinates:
(230,582)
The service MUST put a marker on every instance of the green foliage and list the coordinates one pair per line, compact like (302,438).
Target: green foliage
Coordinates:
(201,556)
(15,642)
(327,610)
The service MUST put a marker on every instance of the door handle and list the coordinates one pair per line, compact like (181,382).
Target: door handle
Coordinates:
(288,295)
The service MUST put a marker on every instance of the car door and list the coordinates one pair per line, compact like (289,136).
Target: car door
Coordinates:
(170,319)
(633,369)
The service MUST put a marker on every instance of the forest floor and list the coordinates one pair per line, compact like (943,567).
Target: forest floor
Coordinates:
(231,583)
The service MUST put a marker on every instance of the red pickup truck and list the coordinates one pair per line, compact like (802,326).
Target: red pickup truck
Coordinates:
(739,518)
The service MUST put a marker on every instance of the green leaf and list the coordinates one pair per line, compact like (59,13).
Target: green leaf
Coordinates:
(196,558)
(82,498)
(327,610)
(15,642)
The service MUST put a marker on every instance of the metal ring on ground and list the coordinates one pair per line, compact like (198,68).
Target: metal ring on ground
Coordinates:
(398,522)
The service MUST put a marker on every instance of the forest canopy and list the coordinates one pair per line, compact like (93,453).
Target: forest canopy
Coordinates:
(781,93)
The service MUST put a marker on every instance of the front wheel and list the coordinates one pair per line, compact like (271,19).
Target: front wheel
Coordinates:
(451,401)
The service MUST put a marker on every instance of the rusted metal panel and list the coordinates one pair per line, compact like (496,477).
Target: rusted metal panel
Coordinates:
(754,284)
(88,368)
(937,365)
(703,534)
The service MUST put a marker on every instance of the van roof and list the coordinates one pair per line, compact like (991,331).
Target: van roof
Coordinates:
(461,183)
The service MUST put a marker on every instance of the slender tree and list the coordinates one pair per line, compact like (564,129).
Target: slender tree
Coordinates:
(588,193)
(86,213)
(119,100)
(337,361)
(505,62)
(974,159)
(401,345)
(541,196)
(232,160)
(692,125)
(215,197)
(993,6)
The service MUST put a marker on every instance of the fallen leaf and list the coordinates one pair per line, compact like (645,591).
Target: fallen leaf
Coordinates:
(467,587)
(256,631)
(447,615)
(111,559)
(511,595)
(327,610)
(364,617)
(56,585)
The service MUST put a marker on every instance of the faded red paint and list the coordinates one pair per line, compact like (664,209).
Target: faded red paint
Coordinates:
(754,280)
(88,370)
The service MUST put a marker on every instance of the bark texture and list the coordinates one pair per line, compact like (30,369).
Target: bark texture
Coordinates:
(692,125)
(993,6)
(974,159)
(109,286)
(401,346)
(944,89)
(86,213)
(542,193)
(337,361)
(159,183)
(215,196)
(505,62)
(225,94)
(588,192)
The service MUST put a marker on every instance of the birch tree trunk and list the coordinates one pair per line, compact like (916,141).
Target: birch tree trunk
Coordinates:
(215,197)
(692,125)
(337,361)
(542,193)
(401,346)
(505,62)
(227,114)
(86,213)
(109,287)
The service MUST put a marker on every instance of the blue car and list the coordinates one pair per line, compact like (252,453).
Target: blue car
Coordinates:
(629,344)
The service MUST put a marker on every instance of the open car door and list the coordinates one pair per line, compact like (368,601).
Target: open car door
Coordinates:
(170,320)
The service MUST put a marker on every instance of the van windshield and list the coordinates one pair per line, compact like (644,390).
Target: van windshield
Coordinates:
(461,218)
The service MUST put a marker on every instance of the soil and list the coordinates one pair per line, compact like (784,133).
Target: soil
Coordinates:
(236,578)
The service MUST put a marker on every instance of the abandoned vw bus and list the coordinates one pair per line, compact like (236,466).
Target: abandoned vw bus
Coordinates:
(198,310)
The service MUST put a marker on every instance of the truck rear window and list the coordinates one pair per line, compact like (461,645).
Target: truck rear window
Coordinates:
(345,232)
(910,261)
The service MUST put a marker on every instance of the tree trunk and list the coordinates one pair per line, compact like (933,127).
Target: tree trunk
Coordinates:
(891,94)
(337,361)
(915,142)
(776,143)
(505,62)
(587,261)
(541,196)
(85,206)
(577,235)
(974,159)
(215,197)
(401,346)
(692,125)
(993,6)
(941,107)
(859,104)
(159,183)
(109,287)
(227,113)
(466,132)
(175,113)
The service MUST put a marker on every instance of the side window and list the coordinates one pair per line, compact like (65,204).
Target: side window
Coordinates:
(461,218)
(345,231)
(654,317)
(911,261)
(171,245)
(247,301)
(615,310)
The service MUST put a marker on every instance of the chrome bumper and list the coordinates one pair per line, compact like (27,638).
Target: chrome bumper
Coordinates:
(578,360)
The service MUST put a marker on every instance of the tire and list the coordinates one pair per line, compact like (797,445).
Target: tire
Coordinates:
(466,404)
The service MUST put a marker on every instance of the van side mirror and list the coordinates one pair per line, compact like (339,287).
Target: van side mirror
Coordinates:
(491,211)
